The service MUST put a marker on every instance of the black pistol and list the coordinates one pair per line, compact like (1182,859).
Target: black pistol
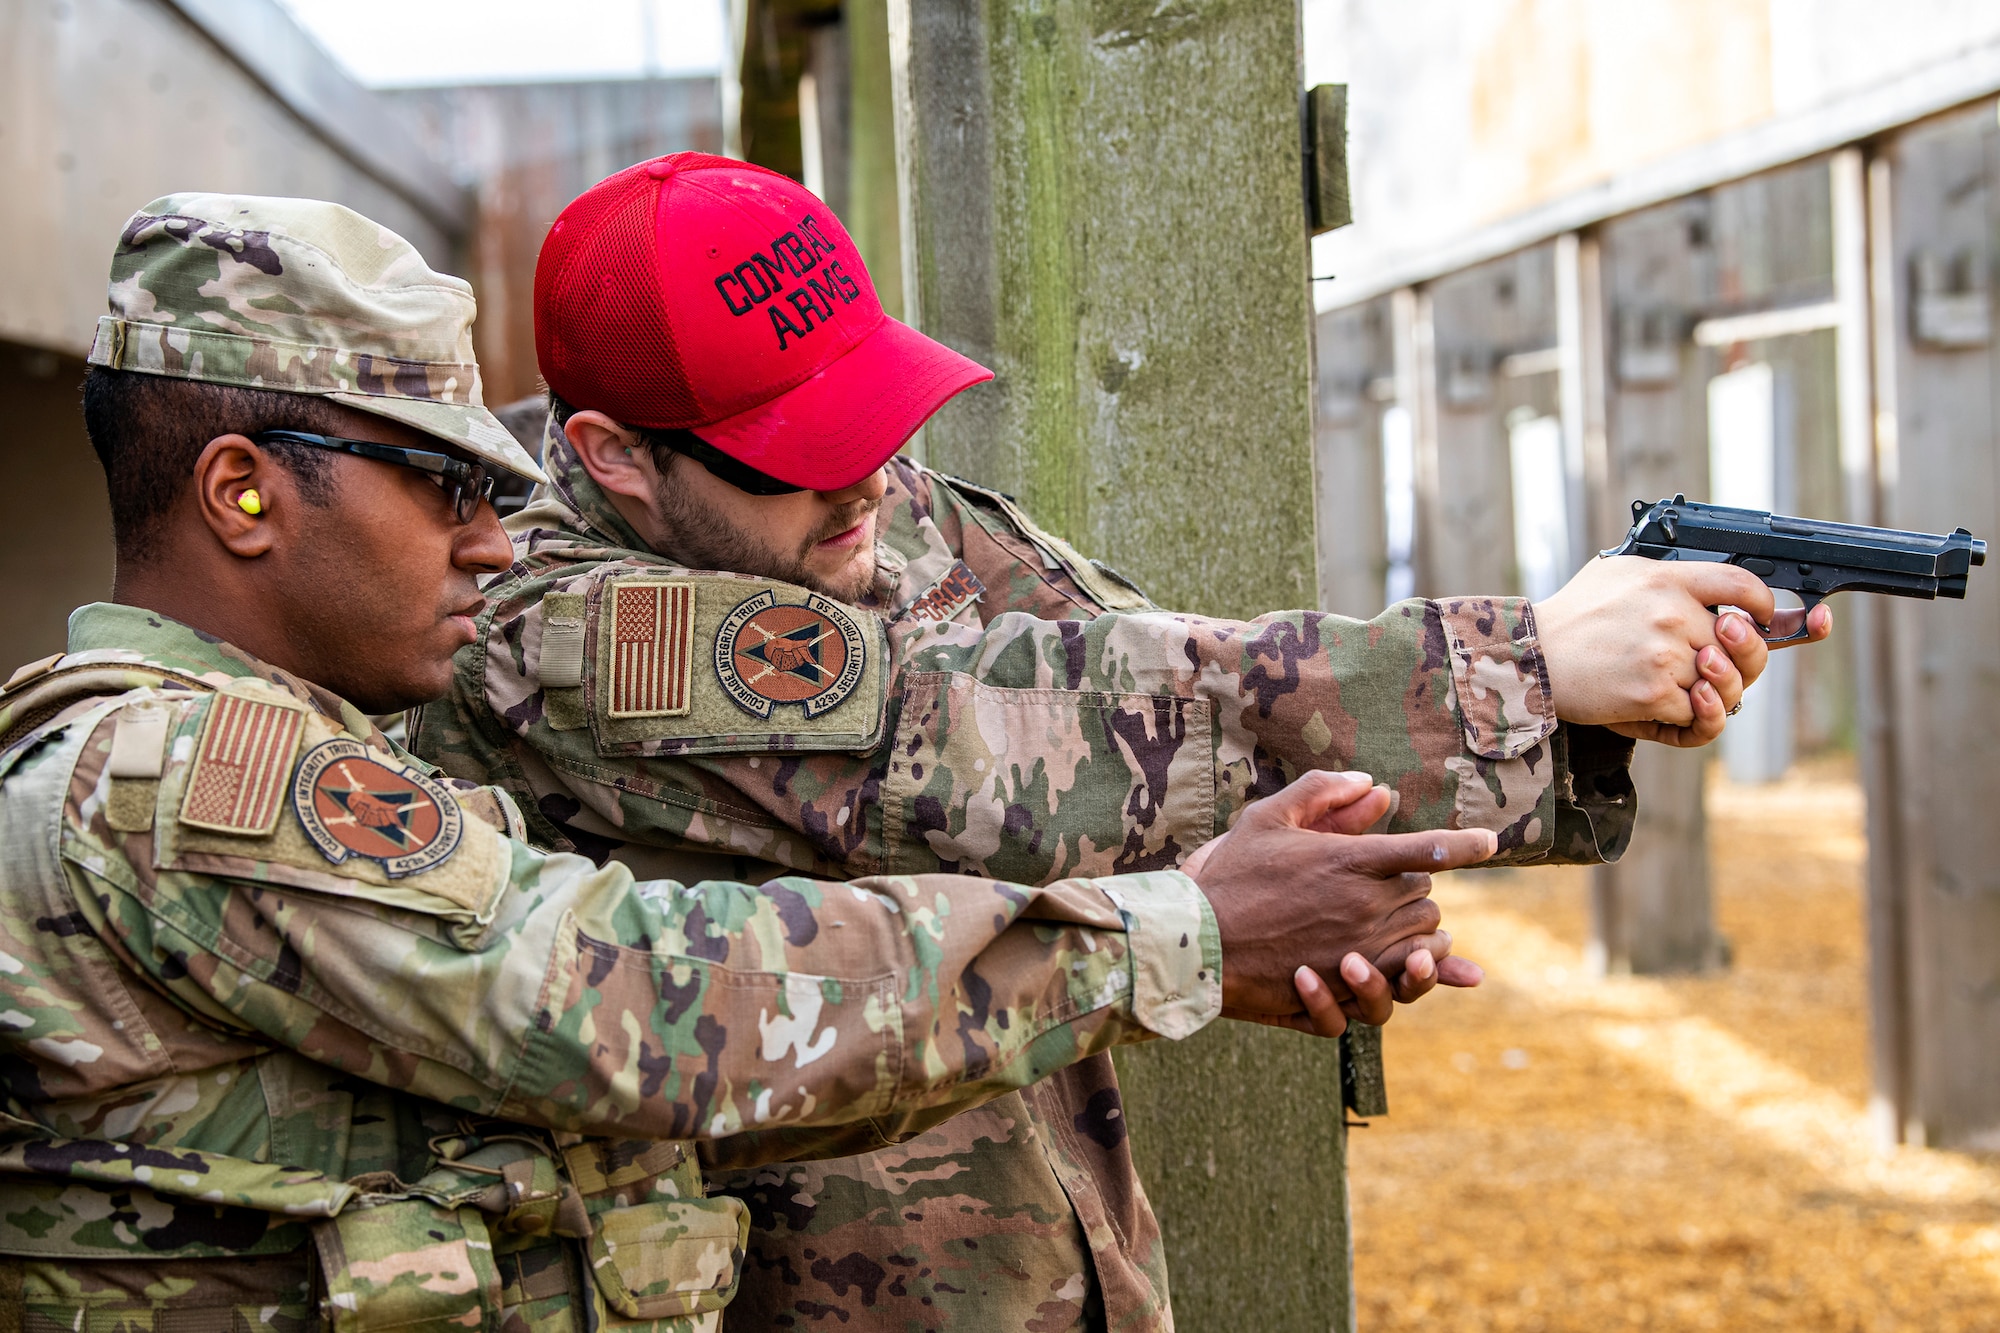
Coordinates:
(1807,557)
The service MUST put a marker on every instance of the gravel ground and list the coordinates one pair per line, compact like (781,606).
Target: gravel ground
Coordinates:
(1678,1153)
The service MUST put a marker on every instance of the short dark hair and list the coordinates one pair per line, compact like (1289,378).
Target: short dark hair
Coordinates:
(148,430)
(664,444)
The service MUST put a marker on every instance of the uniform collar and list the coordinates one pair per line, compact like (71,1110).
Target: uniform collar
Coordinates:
(109,633)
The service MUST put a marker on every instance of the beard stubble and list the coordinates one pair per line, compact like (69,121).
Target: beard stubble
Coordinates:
(705,539)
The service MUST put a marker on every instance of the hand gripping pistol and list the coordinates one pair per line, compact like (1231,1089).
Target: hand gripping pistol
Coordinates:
(1804,560)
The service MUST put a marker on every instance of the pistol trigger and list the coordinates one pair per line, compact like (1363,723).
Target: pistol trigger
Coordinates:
(1789,625)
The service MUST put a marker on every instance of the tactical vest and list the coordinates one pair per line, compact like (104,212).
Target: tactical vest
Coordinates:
(500,1224)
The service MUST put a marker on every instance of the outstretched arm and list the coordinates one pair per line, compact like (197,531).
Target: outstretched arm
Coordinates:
(544,988)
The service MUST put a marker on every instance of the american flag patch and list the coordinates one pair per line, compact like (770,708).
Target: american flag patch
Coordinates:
(651,649)
(242,765)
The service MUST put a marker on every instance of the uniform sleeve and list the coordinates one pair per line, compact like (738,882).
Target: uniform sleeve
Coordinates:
(1024,570)
(542,987)
(1151,731)
(1063,739)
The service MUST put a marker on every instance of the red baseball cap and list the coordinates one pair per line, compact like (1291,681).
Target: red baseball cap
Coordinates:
(705,294)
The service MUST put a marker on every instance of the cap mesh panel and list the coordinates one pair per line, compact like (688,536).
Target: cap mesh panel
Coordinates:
(602,334)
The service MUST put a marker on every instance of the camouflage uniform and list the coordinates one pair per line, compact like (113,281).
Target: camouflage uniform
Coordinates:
(1039,719)
(294,1029)
(213,1032)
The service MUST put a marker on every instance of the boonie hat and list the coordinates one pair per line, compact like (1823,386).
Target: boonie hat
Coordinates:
(705,294)
(300,296)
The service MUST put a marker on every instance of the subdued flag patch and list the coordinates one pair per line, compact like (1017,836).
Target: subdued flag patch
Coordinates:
(652,647)
(236,783)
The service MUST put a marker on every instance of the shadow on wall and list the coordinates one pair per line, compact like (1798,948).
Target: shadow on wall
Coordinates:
(55,524)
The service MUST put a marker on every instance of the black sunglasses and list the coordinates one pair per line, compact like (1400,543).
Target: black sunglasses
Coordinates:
(720,465)
(465,484)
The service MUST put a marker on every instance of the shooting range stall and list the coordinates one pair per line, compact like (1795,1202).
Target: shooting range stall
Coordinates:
(1797,317)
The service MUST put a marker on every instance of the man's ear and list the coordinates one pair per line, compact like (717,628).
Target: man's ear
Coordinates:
(229,469)
(613,456)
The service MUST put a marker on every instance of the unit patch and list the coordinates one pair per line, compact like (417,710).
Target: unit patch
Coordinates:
(237,780)
(652,647)
(352,804)
(958,589)
(770,652)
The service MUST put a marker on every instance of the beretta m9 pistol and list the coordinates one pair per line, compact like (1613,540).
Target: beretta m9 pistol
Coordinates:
(1804,557)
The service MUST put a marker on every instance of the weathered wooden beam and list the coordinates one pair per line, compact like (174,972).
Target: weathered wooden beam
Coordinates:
(1935,868)
(1103,203)
(1651,911)
(1355,383)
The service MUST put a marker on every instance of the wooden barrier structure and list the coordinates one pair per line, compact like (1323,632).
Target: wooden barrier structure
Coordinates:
(1847,258)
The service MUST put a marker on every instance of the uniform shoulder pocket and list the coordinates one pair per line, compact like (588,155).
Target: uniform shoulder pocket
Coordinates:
(1101,583)
(291,799)
(681,663)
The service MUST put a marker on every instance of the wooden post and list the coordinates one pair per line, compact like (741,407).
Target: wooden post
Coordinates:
(1651,911)
(874,197)
(1598,519)
(1934,883)
(1498,360)
(1414,347)
(1857,255)
(1105,205)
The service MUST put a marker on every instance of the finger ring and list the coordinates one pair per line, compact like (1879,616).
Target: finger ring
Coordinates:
(1734,711)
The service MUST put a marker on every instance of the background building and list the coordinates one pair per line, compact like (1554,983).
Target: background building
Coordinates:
(111,103)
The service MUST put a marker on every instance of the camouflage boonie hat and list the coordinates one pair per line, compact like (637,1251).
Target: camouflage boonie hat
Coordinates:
(301,296)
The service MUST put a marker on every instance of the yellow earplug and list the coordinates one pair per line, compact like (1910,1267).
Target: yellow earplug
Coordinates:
(250,502)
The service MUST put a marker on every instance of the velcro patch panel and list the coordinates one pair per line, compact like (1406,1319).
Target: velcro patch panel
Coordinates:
(957,589)
(708,663)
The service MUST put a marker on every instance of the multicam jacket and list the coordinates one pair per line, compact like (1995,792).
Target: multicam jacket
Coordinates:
(1020,711)
(270,989)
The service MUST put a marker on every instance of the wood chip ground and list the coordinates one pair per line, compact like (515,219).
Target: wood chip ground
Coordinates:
(1564,1153)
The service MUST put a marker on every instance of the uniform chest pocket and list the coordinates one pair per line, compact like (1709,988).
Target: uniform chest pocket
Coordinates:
(1038,785)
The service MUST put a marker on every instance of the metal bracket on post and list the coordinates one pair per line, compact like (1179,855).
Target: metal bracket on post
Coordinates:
(1325,118)
(1362,1088)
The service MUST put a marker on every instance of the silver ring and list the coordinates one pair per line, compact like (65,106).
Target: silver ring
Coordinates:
(1734,711)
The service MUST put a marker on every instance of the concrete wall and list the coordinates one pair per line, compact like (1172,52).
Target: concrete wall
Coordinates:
(1460,114)
(106,104)
(55,527)
(525,151)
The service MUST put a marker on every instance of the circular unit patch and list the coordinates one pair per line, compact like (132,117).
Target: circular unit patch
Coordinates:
(770,652)
(351,803)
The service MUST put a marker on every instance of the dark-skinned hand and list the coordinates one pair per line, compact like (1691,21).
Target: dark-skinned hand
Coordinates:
(1301,895)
